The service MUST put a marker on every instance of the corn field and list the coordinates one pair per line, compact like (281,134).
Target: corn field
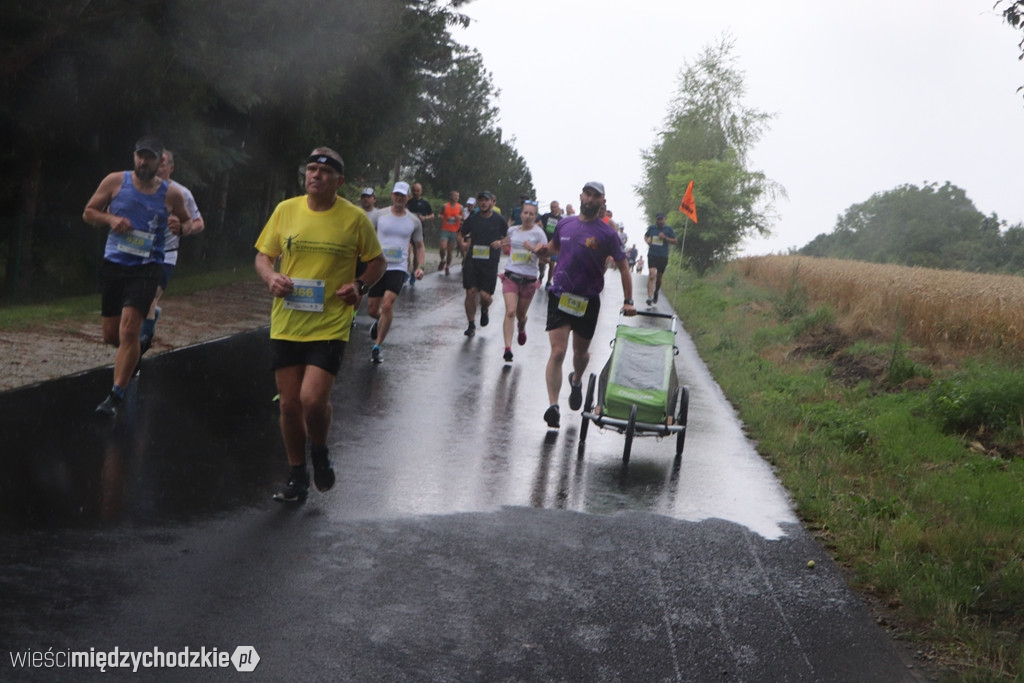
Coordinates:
(954,310)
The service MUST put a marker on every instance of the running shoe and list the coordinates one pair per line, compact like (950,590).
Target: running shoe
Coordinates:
(484,318)
(295,491)
(649,301)
(373,331)
(471,330)
(447,270)
(375,355)
(323,471)
(110,405)
(655,296)
(551,416)
(575,394)
(440,266)
(508,355)
(522,336)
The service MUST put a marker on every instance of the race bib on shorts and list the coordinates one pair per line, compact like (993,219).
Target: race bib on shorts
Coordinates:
(520,256)
(136,243)
(482,251)
(573,305)
(396,255)
(307,295)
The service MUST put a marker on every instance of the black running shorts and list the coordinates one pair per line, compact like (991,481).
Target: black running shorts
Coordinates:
(480,274)
(583,326)
(391,282)
(658,263)
(325,355)
(127,287)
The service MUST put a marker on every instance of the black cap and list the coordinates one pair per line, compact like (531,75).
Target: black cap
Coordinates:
(485,195)
(150,144)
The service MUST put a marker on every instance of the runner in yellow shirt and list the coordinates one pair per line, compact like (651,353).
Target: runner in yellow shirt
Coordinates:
(315,241)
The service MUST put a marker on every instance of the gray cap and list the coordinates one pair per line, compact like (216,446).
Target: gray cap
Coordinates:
(595,186)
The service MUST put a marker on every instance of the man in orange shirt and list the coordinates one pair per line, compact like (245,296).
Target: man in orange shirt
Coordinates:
(451,222)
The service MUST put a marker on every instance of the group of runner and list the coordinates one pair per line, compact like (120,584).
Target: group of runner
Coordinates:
(320,255)
(309,326)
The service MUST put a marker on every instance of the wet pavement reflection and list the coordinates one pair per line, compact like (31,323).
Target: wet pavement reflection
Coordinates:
(443,425)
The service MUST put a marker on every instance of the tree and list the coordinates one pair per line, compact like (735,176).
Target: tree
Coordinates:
(240,91)
(460,146)
(931,226)
(1013,14)
(707,136)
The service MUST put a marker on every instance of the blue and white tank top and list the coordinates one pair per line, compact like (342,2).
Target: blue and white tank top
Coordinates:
(148,215)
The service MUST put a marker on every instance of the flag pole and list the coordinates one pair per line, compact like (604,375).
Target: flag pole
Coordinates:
(688,207)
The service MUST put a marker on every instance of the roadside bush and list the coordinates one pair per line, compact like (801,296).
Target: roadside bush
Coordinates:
(980,399)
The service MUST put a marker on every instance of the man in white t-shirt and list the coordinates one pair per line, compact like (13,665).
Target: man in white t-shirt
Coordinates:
(164,170)
(397,228)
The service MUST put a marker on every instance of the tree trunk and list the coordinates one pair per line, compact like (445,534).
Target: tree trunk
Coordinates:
(19,259)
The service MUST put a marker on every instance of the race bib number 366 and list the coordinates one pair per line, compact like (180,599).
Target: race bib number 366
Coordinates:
(307,295)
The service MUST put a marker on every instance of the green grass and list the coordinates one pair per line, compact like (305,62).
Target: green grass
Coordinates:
(911,476)
(20,316)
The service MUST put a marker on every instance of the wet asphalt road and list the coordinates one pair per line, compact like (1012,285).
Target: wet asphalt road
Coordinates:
(463,540)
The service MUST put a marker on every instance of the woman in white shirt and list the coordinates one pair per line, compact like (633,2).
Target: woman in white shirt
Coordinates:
(519,281)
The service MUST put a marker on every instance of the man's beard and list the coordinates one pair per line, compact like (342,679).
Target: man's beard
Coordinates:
(145,173)
(589,210)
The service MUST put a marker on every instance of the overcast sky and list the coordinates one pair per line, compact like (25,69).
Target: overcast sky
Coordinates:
(868,95)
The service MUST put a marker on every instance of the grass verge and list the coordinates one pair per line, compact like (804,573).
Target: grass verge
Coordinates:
(906,467)
(23,315)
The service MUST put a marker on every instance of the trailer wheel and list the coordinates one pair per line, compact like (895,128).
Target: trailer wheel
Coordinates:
(684,411)
(630,430)
(588,406)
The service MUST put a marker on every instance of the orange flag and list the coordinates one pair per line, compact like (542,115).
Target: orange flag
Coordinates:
(688,207)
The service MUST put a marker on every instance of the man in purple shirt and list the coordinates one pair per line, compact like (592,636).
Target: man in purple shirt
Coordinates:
(582,244)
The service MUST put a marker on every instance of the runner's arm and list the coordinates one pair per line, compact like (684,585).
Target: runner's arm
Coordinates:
(96,214)
(627,287)
(278,284)
(176,209)
(421,256)
(375,268)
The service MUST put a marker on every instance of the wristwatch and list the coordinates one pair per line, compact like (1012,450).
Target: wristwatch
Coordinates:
(627,302)
(363,287)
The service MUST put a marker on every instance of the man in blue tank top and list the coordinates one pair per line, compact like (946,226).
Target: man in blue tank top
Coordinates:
(134,206)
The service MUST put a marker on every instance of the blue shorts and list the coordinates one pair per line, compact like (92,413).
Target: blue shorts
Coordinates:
(165,276)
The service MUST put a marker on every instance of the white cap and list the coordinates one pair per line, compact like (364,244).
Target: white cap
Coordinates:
(471,201)
(401,187)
